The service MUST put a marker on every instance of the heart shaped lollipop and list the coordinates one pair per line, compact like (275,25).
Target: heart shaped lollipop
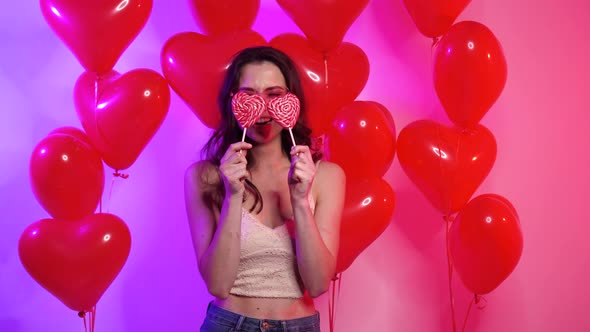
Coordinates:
(247,109)
(285,111)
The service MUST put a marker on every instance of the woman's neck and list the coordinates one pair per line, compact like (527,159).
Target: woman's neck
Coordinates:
(269,155)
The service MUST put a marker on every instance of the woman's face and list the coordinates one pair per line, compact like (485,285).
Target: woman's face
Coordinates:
(266,80)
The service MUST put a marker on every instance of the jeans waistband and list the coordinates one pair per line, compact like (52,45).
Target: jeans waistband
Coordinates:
(246,323)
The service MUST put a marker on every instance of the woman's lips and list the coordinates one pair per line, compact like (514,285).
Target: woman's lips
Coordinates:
(263,121)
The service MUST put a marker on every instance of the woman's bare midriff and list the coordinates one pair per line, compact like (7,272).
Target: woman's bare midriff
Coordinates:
(268,308)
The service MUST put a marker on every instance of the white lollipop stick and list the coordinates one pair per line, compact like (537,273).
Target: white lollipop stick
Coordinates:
(244,135)
(292,138)
(243,139)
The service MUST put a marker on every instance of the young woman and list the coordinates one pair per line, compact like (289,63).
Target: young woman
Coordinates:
(264,215)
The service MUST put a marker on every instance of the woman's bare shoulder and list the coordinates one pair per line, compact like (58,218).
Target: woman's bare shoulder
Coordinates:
(329,175)
(330,171)
(202,174)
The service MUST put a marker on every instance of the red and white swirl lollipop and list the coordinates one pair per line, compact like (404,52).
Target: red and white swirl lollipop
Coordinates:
(285,111)
(247,109)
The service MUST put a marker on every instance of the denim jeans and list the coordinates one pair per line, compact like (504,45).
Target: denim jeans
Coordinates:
(222,320)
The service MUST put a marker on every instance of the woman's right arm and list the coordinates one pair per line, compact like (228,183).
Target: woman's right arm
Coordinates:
(216,234)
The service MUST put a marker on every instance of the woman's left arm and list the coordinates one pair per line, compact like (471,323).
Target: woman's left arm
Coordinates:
(318,233)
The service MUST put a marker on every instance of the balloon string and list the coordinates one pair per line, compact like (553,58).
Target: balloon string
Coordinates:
(116,175)
(481,303)
(95,102)
(96,79)
(326,70)
(474,300)
(445,205)
(449,221)
(440,152)
(96,92)
(339,284)
(96,98)
(331,306)
(435,41)
(89,320)
(335,296)
(332,303)
(93,319)
(82,315)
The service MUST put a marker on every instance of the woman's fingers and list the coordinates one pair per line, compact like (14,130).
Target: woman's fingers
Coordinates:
(233,166)
(301,157)
(302,165)
(237,150)
(238,174)
(240,146)
(301,151)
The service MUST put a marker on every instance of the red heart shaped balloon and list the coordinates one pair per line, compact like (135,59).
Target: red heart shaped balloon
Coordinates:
(75,261)
(67,176)
(362,139)
(325,92)
(469,72)
(127,113)
(485,242)
(195,64)
(97,32)
(434,17)
(217,17)
(368,209)
(447,164)
(324,22)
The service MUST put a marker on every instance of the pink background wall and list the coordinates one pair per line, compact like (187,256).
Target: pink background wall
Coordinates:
(399,283)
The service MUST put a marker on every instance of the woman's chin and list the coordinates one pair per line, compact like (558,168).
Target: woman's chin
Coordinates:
(264,132)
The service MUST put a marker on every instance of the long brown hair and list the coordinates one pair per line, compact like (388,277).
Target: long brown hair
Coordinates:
(229,130)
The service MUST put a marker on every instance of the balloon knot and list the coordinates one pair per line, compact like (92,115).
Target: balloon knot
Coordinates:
(449,219)
(81,314)
(480,301)
(435,40)
(121,175)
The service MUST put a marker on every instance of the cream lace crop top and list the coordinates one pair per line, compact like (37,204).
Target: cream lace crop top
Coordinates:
(268,265)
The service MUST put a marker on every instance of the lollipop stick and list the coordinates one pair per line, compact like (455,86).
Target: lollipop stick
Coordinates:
(292,138)
(243,139)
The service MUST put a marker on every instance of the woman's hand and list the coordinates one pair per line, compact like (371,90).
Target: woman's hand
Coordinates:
(233,168)
(301,173)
